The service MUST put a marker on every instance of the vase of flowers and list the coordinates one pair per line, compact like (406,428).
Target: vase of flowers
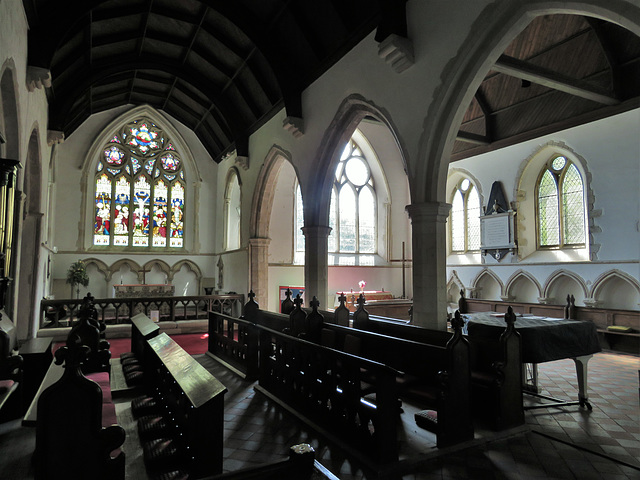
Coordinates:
(76,276)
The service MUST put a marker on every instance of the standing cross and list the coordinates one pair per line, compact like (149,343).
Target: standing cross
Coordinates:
(144,275)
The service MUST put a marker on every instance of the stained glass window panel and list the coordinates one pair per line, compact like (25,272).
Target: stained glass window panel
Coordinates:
(299,236)
(473,219)
(457,222)
(177,215)
(141,217)
(573,207)
(121,212)
(347,207)
(170,162)
(102,225)
(159,221)
(114,156)
(366,221)
(548,226)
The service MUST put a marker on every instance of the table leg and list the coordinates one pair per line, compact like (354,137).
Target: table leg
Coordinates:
(581,372)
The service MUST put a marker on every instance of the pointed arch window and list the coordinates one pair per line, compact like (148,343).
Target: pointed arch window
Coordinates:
(465,217)
(560,205)
(353,214)
(139,190)
(232,211)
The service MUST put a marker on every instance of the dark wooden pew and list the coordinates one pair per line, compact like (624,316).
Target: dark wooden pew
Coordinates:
(496,371)
(142,329)
(90,332)
(76,432)
(11,371)
(185,432)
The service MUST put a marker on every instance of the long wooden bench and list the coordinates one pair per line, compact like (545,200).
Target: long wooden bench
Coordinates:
(184,429)
(142,329)
(10,369)
(496,372)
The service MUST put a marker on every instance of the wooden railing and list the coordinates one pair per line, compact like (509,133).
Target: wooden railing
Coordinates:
(327,387)
(235,341)
(57,313)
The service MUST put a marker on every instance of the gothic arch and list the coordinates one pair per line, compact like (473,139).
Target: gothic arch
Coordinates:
(132,264)
(521,274)
(559,274)
(603,279)
(348,116)
(100,266)
(492,32)
(162,266)
(9,123)
(231,174)
(261,207)
(264,192)
(192,172)
(454,286)
(177,266)
(485,272)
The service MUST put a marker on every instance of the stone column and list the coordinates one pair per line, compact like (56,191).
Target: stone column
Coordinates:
(429,252)
(259,269)
(316,268)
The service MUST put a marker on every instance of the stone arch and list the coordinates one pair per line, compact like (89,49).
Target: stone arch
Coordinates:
(348,116)
(511,289)
(487,278)
(550,288)
(316,189)
(454,286)
(132,265)
(191,170)
(261,208)
(101,268)
(30,240)
(191,267)
(489,36)
(526,181)
(9,123)
(232,174)
(161,265)
(604,282)
(492,32)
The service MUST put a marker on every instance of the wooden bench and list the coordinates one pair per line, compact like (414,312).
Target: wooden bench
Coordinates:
(76,431)
(184,431)
(142,329)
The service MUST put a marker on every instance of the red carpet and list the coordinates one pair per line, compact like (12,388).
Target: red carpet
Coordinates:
(193,344)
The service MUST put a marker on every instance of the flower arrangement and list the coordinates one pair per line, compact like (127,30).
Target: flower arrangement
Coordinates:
(362,284)
(77,275)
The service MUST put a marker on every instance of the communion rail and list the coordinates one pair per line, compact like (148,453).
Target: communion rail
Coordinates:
(111,311)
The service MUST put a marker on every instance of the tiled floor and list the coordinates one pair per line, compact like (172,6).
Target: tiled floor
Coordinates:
(557,443)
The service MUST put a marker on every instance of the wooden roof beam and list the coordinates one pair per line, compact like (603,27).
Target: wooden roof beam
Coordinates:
(542,76)
(474,138)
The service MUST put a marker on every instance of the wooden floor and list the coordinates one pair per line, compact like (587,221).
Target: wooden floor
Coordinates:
(560,443)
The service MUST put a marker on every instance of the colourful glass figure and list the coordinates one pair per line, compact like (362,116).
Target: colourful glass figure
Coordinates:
(114,156)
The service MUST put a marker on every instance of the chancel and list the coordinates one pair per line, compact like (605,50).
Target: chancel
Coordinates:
(206,162)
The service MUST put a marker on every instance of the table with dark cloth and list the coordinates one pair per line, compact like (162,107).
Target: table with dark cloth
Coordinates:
(545,340)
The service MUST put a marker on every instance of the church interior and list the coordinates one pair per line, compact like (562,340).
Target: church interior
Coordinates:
(437,158)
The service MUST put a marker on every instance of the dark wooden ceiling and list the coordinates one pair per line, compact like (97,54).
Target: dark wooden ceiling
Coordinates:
(224,67)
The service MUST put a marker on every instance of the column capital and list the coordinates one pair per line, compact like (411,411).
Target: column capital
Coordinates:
(259,242)
(420,212)
(317,231)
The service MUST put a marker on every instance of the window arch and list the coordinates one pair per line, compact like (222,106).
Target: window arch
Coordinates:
(560,205)
(353,214)
(139,190)
(464,218)
(232,211)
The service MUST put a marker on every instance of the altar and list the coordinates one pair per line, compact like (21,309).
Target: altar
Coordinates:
(145,291)
(369,296)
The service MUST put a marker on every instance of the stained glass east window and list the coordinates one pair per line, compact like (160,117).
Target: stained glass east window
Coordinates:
(140,190)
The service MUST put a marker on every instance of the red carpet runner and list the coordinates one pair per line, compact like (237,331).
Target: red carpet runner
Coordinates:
(192,343)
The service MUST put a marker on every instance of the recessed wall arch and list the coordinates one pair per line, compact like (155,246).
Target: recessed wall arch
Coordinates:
(454,286)
(555,278)
(515,279)
(9,110)
(177,266)
(487,275)
(602,288)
